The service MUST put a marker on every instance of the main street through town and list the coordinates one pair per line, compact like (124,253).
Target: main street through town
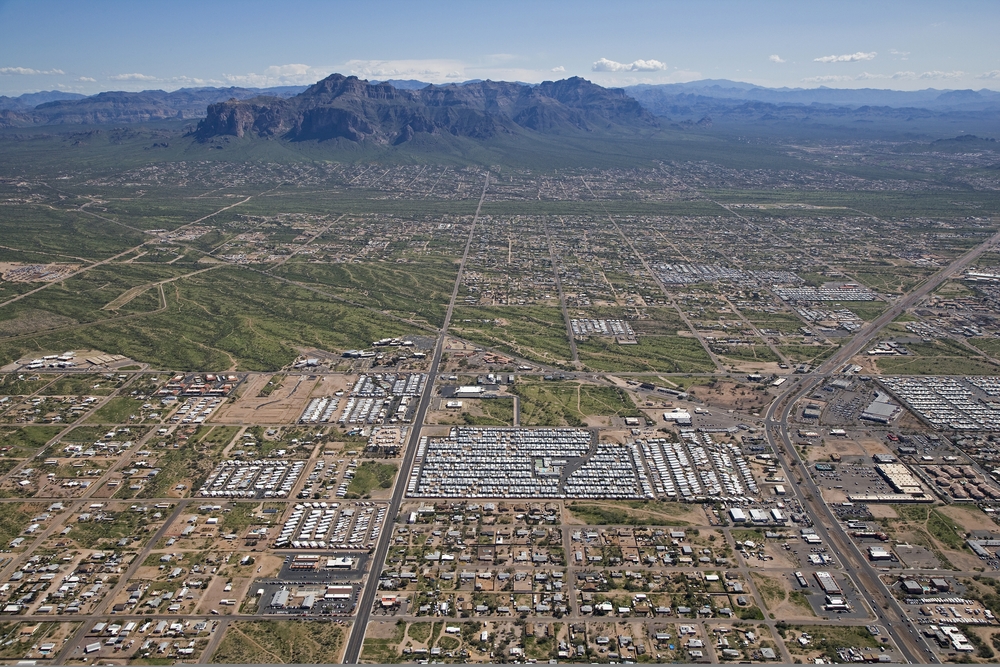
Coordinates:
(913,646)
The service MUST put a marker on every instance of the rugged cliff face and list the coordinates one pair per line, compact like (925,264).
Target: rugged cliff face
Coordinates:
(352,109)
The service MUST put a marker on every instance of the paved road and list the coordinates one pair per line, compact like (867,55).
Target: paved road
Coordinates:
(554,258)
(101,610)
(367,598)
(886,608)
(869,586)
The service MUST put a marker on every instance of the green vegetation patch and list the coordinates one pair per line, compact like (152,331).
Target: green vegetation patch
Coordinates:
(228,318)
(532,332)
(82,385)
(665,354)
(830,638)
(752,352)
(569,403)
(116,411)
(628,513)
(807,354)
(800,599)
(419,632)
(866,310)
(945,530)
(83,297)
(786,323)
(240,516)
(370,475)
(419,288)
(106,532)
(989,346)
(751,613)
(22,385)
(278,642)
(893,279)
(770,589)
(14,519)
(936,366)
(272,385)
(192,460)
(22,441)
(495,412)
(384,650)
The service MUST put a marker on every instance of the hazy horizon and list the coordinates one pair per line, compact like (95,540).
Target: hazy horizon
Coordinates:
(105,45)
(170,89)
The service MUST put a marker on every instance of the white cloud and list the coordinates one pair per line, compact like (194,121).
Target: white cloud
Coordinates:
(847,58)
(834,78)
(636,78)
(27,71)
(865,76)
(432,71)
(896,76)
(994,74)
(87,79)
(295,74)
(605,65)
(942,75)
(559,69)
(899,53)
(132,76)
(776,59)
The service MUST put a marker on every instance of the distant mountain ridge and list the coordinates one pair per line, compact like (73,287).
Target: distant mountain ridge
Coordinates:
(346,107)
(54,107)
(654,97)
(397,110)
(29,101)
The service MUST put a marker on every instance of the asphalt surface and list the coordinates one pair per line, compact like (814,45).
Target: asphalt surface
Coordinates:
(887,609)
(367,598)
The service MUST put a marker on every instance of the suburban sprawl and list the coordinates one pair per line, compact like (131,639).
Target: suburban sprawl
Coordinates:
(713,405)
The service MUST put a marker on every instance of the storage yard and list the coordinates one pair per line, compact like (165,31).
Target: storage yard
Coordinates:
(526,463)
(324,525)
(252,479)
(963,404)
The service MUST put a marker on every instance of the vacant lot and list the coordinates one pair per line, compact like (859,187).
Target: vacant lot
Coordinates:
(279,642)
(371,475)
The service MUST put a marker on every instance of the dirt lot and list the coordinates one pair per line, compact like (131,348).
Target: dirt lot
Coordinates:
(284,405)
(873,446)
(726,395)
(883,512)
(777,590)
(692,514)
(970,517)
(272,642)
(843,446)
(490,410)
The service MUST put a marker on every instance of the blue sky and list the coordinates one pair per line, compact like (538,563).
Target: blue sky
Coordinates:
(95,45)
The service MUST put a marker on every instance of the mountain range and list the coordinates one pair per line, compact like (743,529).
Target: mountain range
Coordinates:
(56,108)
(349,108)
(722,89)
(396,110)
